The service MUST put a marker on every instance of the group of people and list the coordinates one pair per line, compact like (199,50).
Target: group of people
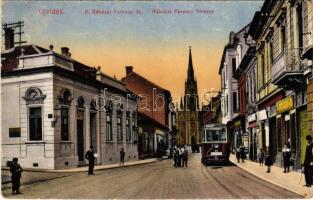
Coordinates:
(286,155)
(268,160)
(180,156)
(241,153)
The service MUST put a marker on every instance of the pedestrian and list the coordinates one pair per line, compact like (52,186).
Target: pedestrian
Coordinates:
(175,156)
(286,157)
(180,156)
(308,162)
(238,154)
(268,163)
(261,156)
(122,157)
(90,156)
(16,171)
(185,157)
(242,153)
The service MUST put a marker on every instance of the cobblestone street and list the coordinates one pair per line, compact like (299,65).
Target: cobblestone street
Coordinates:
(157,180)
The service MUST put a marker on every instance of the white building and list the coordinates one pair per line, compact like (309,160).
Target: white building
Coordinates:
(231,58)
(52,111)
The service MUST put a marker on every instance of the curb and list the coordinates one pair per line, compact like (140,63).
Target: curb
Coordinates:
(269,181)
(85,170)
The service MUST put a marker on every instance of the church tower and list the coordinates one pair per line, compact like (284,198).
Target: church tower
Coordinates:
(191,90)
(188,115)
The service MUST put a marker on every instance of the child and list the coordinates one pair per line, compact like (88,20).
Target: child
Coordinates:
(268,163)
(261,157)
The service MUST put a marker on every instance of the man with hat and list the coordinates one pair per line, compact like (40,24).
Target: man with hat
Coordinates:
(308,161)
(91,160)
(16,171)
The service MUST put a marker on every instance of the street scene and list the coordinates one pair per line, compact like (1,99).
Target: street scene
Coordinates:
(161,99)
(157,180)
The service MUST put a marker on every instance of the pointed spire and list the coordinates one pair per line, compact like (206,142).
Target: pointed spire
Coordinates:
(190,66)
(181,103)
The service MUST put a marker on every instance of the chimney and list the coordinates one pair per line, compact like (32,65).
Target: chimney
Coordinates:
(8,38)
(98,73)
(129,69)
(65,51)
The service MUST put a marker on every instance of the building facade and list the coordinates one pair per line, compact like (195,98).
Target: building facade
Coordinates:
(188,113)
(281,30)
(231,58)
(156,114)
(55,107)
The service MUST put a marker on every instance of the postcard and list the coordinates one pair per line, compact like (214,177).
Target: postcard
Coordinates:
(157,99)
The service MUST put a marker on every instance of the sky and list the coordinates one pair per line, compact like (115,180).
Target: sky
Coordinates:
(156,45)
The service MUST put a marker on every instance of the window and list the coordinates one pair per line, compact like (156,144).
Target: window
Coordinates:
(282,39)
(35,124)
(119,128)
(128,130)
(109,127)
(233,64)
(215,135)
(135,136)
(263,70)
(235,102)
(300,25)
(271,51)
(64,124)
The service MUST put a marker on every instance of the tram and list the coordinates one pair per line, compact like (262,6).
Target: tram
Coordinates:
(215,144)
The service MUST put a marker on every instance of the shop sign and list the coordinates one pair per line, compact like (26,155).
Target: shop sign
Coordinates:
(252,117)
(246,140)
(237,123)
(284,104)
(262,115)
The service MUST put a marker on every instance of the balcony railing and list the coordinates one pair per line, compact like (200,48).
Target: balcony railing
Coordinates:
(288,64)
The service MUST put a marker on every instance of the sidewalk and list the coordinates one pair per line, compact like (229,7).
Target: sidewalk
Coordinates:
(85,168)
(290,181)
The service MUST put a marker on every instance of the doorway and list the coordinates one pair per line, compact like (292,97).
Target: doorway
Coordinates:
(93,132)
(80,136)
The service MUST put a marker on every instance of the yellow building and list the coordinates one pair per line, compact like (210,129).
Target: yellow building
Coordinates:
(281,30)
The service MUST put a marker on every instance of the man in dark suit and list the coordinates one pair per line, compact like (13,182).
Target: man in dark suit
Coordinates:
(91,160)
(16,171)
(308,161)
(122,157)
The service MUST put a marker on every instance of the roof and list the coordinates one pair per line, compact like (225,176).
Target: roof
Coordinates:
(259,20)
(245,61)
(9,58)
(146,80)
(10,62)
(141,114)
(230,46)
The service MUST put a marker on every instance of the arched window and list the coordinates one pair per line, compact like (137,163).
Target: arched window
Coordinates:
(34,95)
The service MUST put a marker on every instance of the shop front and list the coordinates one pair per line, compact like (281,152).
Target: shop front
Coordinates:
(286,127)
(253,138)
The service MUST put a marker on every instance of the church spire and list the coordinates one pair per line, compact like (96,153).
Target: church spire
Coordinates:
(190,66)
(181,103)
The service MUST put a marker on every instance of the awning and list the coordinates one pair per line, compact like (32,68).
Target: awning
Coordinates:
(262,115)
(252,117)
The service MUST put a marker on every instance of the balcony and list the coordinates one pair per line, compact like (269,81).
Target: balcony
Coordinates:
(287,70)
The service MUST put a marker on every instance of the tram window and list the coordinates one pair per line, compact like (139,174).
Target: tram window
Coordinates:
(215,135)
(222,136)
(208,135)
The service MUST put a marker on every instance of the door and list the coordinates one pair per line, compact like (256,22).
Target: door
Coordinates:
(273,138)
(93,133)
(80,136)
